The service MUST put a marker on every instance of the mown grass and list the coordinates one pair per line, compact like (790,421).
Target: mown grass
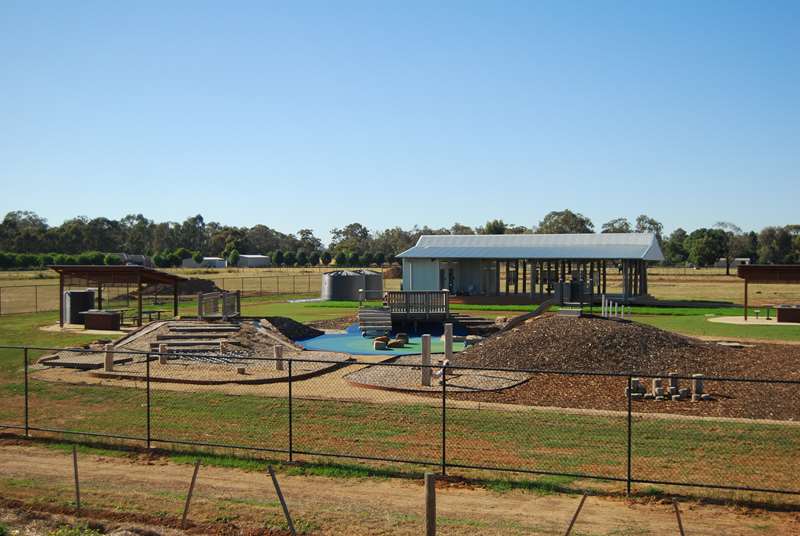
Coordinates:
(699,326)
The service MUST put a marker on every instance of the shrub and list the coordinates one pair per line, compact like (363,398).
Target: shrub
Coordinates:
(302,258)
(341,259)
(326,258)
(75,530)
(7,260)
(27,260)
(173,259)
(198,257)
(380,258)
(233,257)
(367,258)
(354,259)
(45,260)
(112,260)
(289,258)
(277,258)
(183,253)
(313,258)
(160,260)
(4,530)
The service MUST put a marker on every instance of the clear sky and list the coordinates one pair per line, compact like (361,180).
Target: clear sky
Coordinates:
(317,114)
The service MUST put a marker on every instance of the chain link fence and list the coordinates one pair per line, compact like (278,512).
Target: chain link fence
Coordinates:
(311,408)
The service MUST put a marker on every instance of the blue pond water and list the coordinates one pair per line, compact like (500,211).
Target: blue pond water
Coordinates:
(351,342)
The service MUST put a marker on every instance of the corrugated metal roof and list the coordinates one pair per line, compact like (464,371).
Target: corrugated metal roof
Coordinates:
(643,246)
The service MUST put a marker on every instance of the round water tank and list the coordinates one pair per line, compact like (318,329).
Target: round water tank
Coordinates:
(373,284)
(341,285)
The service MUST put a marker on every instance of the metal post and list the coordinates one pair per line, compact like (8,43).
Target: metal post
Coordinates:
(77,484)
(147,389)
(36,298)
(291,416)
(678,516)
(444,419)
(27,413)
(629,392)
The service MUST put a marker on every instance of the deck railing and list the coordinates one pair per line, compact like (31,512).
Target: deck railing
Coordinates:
(219,304)
(418,302)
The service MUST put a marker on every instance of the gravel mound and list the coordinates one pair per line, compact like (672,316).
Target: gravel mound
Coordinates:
(292,329)
(554,342)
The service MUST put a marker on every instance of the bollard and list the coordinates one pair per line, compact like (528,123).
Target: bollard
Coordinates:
(278,354)
(162,354)
(674,387)
(221,347)
(697,387)
(448,342)
(109,365)
(426,360)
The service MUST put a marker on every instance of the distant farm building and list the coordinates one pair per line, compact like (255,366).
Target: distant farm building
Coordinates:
(738,261)
(207,262)
(254,261)
(136,260)
(536,266)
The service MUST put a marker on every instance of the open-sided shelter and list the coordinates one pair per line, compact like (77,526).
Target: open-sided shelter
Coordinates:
(766,274)
(103,277)
(471,264)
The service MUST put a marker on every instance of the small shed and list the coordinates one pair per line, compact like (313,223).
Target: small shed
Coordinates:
(254,261)
(101,277)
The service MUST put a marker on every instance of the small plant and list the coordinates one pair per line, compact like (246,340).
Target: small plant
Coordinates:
(4,530)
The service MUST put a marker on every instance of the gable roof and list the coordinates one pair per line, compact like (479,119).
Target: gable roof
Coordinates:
(639,246)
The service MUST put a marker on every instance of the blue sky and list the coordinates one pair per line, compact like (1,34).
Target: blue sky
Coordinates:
(317,114)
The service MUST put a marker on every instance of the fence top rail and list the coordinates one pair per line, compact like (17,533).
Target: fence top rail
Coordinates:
(452,367)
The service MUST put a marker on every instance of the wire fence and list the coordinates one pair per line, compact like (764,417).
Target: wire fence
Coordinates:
(304,408)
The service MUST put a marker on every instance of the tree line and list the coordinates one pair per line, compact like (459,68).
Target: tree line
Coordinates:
(27,240)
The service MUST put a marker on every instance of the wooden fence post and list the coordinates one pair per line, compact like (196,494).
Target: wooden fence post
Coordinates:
(575,516)
(283,501)
(77,484)
(189,495)
(430,504)
(426,360)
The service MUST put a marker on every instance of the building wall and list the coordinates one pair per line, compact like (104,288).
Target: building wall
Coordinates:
(258,262)
(420,274)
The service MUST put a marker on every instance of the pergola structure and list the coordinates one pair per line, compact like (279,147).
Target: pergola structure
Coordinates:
(767,274)
(101,277)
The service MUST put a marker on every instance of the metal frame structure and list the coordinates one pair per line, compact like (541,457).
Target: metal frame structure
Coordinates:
(767,274)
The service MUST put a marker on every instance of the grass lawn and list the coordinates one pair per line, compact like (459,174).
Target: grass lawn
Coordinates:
(699,326)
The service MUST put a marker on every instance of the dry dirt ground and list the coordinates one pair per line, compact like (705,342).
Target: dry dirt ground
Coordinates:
(148,493)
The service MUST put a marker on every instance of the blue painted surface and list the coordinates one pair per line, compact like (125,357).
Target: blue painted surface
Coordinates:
(352,342)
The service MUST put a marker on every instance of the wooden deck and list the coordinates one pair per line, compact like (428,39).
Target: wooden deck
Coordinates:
(418,305)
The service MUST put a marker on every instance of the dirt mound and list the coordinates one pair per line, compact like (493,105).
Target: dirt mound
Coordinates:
(292,329)
(592,344)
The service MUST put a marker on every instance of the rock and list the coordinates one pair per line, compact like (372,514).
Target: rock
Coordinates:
(695,398)
(382,338)
(706,396)
(676,397)
(660,398)
(402,337)
(649,396)
(636,396)
(684,392)
(396,343)
(379,345)
(501,320)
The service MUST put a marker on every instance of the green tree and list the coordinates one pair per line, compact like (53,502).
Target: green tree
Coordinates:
(646,224)
(233,257)
(380,259)
(289,258)
(774,245)
(326,257)
(617,225)
(565,222)
(353,237)
(313,258)
(494,227)
(277,258)
(675,248)
(198,257)
(367,259)
(341,259)
(302,258)
(705,246)
(354,259)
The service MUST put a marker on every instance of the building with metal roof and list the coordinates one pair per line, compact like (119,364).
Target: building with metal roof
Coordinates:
(472,265)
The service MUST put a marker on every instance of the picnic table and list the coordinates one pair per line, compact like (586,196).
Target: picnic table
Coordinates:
(150,313)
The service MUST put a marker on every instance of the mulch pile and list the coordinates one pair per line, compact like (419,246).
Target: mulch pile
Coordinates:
(563,343)
(334,323)
(556,343)
(292,329)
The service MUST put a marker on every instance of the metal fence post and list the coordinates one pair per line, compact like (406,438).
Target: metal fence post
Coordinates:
(147,388)
(444,419)
(629,391)
(27,409)
(291,416)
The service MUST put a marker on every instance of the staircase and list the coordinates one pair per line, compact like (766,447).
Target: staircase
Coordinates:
(374,321)
(474,325)
(194,338)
